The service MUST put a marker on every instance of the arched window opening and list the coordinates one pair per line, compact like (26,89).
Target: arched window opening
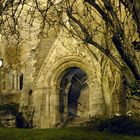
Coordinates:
(21,82)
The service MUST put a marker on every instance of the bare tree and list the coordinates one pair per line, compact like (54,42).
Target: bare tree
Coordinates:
(85,20)
(109,14)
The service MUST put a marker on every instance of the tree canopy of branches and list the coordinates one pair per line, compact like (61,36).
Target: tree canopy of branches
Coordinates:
(84,20)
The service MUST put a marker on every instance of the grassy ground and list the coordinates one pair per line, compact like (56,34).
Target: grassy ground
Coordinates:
(59,134)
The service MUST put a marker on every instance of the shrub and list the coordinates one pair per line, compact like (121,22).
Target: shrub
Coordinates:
(117,124)
(12,109)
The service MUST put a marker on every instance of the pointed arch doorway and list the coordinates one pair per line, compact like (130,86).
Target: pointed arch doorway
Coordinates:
(74,94)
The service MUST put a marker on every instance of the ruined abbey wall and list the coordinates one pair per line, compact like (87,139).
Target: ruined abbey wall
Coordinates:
(44,75)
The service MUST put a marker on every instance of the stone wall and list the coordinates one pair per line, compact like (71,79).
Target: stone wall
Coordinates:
(10,98)
(64,54)
(8,120)
(43,62)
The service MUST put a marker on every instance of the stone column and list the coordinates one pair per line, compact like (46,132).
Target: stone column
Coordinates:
(45,108)
(66,100)
(96,99)
(54,106)
(16,82)
(65,106)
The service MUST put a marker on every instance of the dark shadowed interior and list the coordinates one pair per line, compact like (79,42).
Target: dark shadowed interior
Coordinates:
(71,85)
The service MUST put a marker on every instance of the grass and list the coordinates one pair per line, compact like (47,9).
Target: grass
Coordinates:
(59,134)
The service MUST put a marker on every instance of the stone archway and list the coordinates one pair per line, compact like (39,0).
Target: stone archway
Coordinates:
(74,94)
(46,96)
(59,70)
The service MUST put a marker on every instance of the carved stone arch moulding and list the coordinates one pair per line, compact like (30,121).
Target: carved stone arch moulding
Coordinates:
(49,87)
(57,70)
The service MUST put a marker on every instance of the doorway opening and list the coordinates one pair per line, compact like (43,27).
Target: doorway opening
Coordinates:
(74,94)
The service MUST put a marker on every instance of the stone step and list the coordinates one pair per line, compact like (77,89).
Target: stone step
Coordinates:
(77,121)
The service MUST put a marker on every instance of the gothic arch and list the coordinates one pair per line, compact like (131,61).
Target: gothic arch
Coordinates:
(57,70)
(52,81)
(49,88)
